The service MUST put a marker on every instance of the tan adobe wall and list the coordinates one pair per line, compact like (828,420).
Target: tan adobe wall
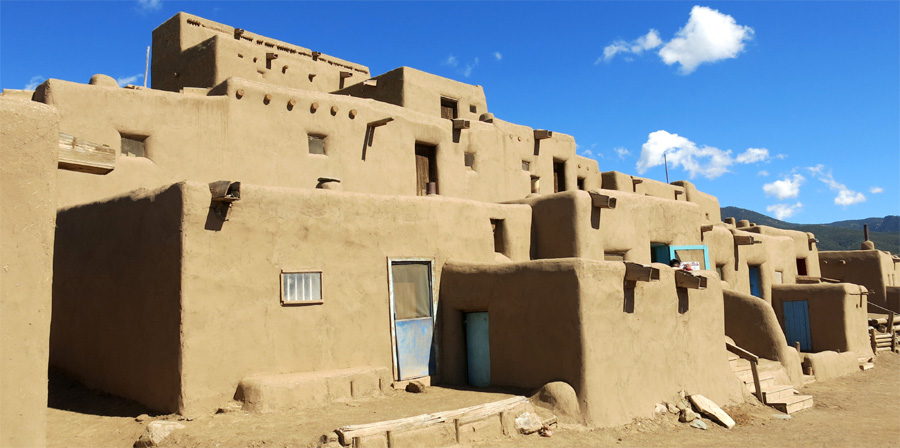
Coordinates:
(838,315)
(422,92)
(29,137)
(234,324)
(238,134)
(563,320)
(805,247)
(117,297)
(189,51)
(774,254)
(709,204)
(752,324)
(870,268)
(614,180)
(568,225)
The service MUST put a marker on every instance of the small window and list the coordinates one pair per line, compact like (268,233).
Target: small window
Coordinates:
(526,165)
(779,277)
(470,160)
(317,144)
(473,108)
(449,108)
(801,266)
(581,183)
(498,226)
(535,184)
(133,146)
(301,288)
(719,270)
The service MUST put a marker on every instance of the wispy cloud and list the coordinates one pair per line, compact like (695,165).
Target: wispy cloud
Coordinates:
(763,173)
(34,82)
(708,161)
(789,187)
(149,5)
(648,41)
(470,66)
(845,195)
(498,56)
(622,152)
(784,211)
(876,190)
(124,81)
(450,61)
(708,36)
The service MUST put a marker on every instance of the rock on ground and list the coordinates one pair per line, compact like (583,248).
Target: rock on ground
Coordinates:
(711,410)
(155,433)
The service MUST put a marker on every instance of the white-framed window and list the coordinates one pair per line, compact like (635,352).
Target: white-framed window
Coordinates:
(301,288)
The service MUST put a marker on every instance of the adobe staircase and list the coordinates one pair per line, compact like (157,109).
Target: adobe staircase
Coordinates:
(783,398)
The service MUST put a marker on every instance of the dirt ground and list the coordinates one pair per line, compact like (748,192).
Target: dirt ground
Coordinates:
(855,410)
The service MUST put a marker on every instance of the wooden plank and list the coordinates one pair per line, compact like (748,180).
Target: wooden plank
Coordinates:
(80,155)
(684,279)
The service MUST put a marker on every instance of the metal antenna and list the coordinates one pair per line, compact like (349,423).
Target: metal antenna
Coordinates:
(666,160)
(147,67)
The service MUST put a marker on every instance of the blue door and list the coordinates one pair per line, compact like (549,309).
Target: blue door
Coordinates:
(754,281)
(478,351)
(796,324)
(413,318)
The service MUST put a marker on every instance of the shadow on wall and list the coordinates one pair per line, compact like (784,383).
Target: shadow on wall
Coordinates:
(67,394)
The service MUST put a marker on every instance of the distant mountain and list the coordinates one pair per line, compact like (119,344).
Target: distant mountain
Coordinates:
(841,235)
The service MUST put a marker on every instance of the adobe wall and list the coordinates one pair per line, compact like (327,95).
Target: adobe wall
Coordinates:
(614,180)
(709,204)
(752,324)
(234,324)
(568,225)
(422,92)
(774,253)
(804,246)
(29,137)
(838,315)
(870,268)
(238,134)
(566,320)
(190,51)
(117,296)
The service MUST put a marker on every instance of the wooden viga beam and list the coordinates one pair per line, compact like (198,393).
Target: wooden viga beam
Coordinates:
(77,154)
(684,279)
(635,272)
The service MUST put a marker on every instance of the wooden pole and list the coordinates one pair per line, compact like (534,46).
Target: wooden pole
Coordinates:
(890,327)
(147,67)
(866,232)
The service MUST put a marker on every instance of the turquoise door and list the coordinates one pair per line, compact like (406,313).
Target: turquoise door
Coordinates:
(413,318)
(754,281)
(478,351)
(796,324)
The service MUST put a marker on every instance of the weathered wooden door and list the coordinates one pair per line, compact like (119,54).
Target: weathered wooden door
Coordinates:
(478,352)
(412,318)
(796,324)
(425,168)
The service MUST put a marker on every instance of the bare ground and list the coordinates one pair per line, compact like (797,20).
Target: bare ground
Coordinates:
(855,410)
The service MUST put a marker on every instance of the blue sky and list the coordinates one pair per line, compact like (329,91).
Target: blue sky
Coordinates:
(791,109)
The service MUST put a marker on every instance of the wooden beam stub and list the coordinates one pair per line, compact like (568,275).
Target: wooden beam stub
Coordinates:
(640,273)
(382,122)
(601,200)
(541,134)
(80,155)
(684,279)
(459,123)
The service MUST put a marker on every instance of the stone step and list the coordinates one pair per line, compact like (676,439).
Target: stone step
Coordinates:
(792,404)
(765,382)
(776,393)
(739,364)
(866,366)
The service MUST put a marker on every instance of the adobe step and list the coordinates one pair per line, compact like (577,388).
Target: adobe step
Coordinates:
(776,393)
(808,379)
(792,404)
(866,366)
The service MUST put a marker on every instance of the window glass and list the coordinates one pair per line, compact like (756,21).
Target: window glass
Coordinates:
(412,290)
(299,287)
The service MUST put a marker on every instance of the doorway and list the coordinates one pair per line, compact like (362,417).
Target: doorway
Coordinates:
(478,351)
(755,281)
(412,318)
(426,168)
(796,324)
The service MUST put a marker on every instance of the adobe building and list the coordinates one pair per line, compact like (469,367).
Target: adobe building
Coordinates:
(274,225)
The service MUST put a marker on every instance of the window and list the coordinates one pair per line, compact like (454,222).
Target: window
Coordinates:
(779,277)
(299,288)
(470,160)
(133,145)
(473,109)
(526,165)
(581,183)
(720,270)
(535,184)
(448,108)
(317,144)
(801,266)
(498,226)
(559,176)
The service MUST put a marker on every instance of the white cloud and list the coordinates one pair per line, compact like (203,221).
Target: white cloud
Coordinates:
(783,211)
(845,195)
(708,161)
(648,41)
(150,5)
(129,79)
(34,82)
(498,56)
(753,155)
(763,173)
(876,190)
(708,36)
(789,187)
(450,61)
(622,152)
(470,66)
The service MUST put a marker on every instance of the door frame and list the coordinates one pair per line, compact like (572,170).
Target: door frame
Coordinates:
(433,291)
